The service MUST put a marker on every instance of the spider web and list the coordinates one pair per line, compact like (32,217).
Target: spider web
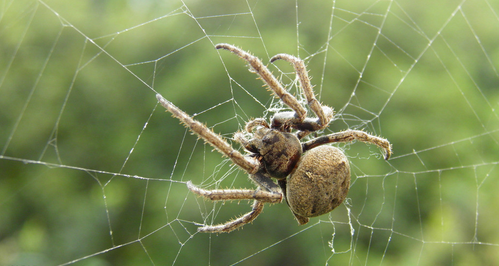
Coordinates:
(93,171)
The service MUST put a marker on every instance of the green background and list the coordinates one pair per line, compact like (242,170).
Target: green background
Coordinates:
(93,171)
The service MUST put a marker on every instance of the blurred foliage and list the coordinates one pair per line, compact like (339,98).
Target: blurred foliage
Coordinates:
(76,98)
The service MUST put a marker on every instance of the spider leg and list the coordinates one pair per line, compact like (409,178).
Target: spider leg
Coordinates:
(260,197)
(236,223)
(269,79)
(250,165)
(236,194)
(323,113)
(350,135)
(256,123)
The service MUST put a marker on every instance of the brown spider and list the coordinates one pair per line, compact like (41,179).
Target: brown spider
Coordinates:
(313,179)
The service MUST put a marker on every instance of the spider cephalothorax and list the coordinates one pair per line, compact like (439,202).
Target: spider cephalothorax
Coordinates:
(279,150)
(313,179)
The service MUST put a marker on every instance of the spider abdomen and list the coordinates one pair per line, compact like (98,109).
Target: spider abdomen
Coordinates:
(320,183)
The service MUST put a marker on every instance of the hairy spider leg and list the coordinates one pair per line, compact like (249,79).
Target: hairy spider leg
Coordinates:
(236,194)
(268,192)
(323,113)
(236,223)
(269,79)
(347,136)
(250,165)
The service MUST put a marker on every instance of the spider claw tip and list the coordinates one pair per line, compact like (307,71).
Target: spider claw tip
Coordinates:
(222,46)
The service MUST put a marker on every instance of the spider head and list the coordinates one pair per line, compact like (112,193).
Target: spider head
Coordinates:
(280,151)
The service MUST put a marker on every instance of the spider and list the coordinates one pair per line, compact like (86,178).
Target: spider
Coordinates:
(313,179)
